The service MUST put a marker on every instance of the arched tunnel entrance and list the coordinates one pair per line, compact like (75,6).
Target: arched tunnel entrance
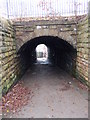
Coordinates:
(60,52)
(47,61)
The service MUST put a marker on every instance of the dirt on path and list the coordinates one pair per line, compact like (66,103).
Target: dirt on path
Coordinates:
(54,94)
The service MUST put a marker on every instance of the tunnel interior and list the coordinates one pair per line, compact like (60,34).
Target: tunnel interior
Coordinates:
(60,53)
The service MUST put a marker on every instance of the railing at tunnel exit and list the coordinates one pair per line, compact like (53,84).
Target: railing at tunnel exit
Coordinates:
(42,8)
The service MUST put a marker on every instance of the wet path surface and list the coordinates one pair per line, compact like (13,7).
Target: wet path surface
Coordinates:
(55,94)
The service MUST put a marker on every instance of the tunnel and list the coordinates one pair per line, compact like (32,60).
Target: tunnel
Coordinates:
(60,53)
(46,90)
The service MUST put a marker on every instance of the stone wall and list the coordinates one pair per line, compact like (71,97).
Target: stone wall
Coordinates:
(89,41)
(62,28)
(12,65)
(8,59)
(0,58)
(83,50)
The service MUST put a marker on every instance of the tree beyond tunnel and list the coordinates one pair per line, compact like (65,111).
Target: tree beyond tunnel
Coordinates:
(60,52)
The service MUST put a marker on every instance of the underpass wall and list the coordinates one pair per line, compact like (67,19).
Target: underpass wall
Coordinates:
(62,28)
(0,59)
(9,61)
(83,48)
(12,65)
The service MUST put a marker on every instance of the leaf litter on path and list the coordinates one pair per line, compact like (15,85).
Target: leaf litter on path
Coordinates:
(16,98)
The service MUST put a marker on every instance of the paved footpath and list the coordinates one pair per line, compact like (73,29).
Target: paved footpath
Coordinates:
(55,94)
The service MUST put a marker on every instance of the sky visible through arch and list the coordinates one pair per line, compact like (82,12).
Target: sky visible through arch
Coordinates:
(41,8)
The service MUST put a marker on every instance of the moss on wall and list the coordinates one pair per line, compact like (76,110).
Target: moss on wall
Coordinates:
(12,66)
(9,61)
(83,50)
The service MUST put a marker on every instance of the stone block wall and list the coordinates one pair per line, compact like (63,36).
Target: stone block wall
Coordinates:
(0,58)
(12,65)
(62,28)
(9,61)
(89,40)
(83,50)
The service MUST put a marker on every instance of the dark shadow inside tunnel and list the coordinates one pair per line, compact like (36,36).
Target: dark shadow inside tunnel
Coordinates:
(60,53)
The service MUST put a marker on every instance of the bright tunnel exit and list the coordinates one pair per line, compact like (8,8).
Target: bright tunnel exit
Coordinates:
(42,54)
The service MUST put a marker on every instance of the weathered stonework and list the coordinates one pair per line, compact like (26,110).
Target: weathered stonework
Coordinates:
(12,66)
(89,42)
(63,29)
(9,64)
(83,50)
(0,58)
